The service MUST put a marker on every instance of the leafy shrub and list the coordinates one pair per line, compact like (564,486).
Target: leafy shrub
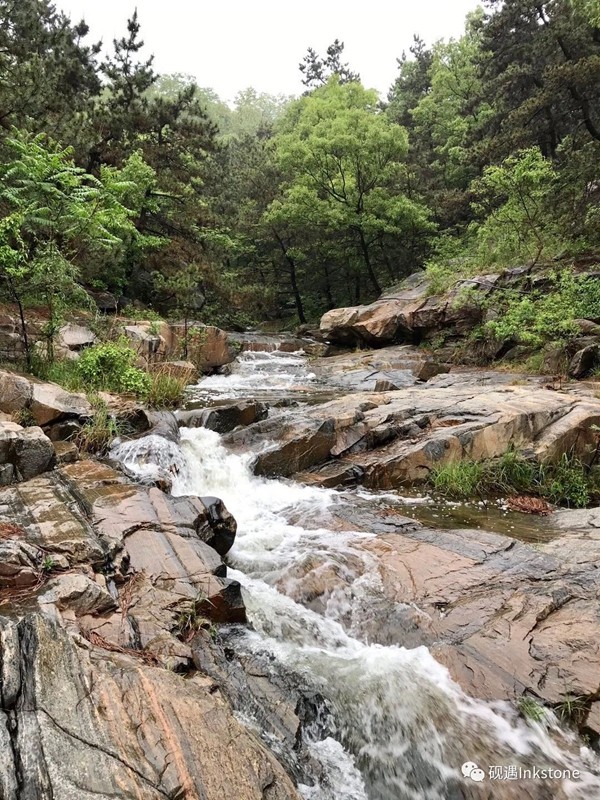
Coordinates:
(110,367)
(545,316)
(568,483)
(141,314)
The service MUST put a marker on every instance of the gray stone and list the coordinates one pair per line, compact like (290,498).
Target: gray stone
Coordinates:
(584,361)
(24,452)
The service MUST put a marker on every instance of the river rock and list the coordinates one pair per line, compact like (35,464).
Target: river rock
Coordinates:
(16,392)
(76,337)
(47,403)
(584,361)
(20,564)
(218,528)
(425,370)
(24,452)
(149,347)
(51,404)
(208,346)
(79,593)
(225,417)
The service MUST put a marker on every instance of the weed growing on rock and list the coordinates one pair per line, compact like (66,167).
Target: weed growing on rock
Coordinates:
(166,391)
(532,709)
(98,433)
(572,709)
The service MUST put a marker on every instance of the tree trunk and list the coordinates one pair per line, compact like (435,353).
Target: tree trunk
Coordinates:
(367,259)
(293,279)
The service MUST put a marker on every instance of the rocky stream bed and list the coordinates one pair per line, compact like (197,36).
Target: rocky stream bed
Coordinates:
(249,606)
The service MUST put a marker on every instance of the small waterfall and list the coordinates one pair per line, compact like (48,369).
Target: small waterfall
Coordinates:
(152,459)
(260,375)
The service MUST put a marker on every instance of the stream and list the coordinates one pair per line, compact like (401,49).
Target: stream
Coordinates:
(400,727)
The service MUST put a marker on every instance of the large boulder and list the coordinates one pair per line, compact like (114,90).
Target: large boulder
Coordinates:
(16,392)
(47,403)
(408,313)
(210,348)
(584,361)
(149,346)
(51,404)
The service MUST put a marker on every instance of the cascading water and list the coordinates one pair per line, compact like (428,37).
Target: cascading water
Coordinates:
(402,727)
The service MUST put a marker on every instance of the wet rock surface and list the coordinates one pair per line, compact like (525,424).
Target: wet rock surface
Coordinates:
(81,721)
(224,417)
(122,577)
(506,618)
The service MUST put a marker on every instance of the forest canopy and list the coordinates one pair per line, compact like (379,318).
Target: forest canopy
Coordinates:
(113,178)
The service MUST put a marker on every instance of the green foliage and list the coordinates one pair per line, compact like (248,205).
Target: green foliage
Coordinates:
(342,205)
(513,200)
(48,564)
(531,709)
(573,709)
(568,483)
(24,417)
(141,314)
(110,367)
(152,188)
(544,315)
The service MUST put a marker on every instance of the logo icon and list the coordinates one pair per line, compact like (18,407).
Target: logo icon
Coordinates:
(470,770)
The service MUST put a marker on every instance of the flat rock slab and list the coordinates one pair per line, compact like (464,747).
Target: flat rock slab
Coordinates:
(504,617)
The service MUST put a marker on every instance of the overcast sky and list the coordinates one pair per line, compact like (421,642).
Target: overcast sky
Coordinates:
(231,44)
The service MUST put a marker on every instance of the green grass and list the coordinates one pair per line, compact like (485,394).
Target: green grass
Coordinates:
(460,480)
(166,391)
(567,482)
(98,433)
(572,709)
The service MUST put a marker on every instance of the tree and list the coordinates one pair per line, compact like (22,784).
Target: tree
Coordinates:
(317,71)
(48,75)
(512,199)
(52,215)
(343,166)
(542,67)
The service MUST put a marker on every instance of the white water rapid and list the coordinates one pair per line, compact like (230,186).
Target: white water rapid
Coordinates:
(402,727)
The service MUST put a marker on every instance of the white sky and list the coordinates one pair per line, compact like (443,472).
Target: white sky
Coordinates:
(232,44)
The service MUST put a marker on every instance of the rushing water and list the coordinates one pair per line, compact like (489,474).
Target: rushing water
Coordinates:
(402,727)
